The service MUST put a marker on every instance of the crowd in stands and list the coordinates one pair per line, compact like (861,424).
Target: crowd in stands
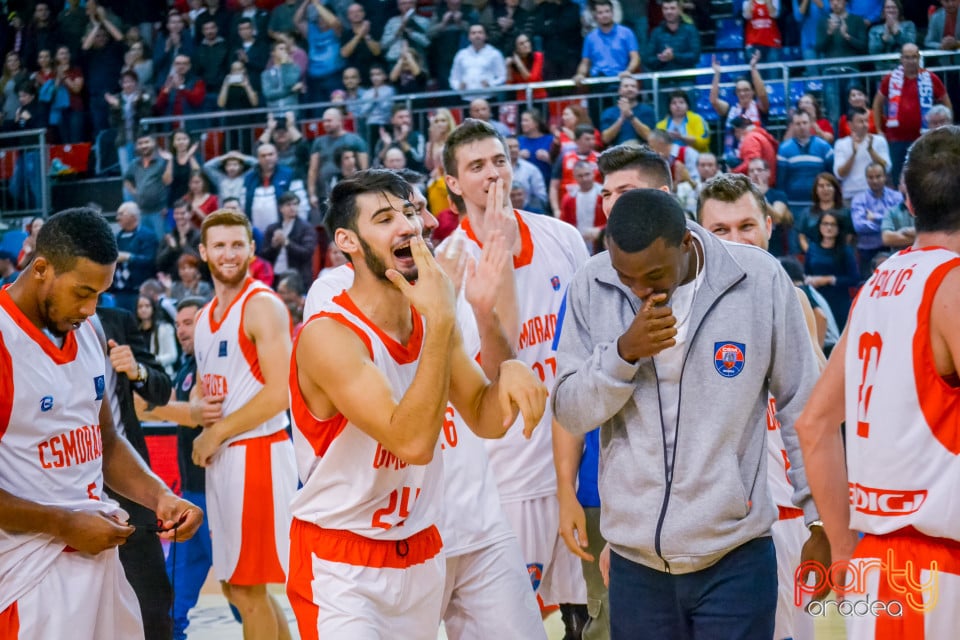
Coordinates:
(831,178)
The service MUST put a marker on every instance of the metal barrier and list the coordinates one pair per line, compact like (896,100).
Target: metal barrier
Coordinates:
(24,186)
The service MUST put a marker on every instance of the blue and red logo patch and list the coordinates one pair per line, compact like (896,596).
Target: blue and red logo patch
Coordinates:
(728,358)
(555,282)
(535,570)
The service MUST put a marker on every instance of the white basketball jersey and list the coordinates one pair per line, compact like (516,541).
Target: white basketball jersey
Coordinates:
(51,450)
(227,363)
(777,463)
(350,481)
(551,252)
(903,419)
(472,515)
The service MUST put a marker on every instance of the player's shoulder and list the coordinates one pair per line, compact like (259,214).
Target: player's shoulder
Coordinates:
(328,284)
(546,229)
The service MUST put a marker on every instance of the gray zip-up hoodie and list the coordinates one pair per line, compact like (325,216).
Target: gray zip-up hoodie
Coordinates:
(747,337)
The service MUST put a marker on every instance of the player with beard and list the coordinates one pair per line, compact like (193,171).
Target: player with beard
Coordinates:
(59,532)
(384,358)
(242,346)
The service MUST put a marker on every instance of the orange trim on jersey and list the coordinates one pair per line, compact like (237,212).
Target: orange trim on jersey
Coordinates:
(339,545)
(342,319)
(914,552)
(403,354)
(258,562)
(939,402)
(10,622)
(789,513)
(212,306)
(6,387)
(247,348)
(60,355)
(526,240)
(319,433)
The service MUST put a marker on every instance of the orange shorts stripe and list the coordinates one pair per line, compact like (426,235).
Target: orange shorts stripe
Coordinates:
(10,623)
(336,545)
(258,562)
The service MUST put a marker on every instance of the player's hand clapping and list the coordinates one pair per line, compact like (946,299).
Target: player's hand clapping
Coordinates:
(521,391)
(652,330)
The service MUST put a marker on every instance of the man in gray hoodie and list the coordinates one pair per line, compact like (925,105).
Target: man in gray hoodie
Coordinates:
(673,342)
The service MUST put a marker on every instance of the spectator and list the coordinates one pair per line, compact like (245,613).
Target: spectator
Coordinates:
(938,35)
(562,181)
(136,60)
(867,212)
(852,154)
(157,333)
(280,82)
(478,65)
(535,142)
(148,182)
(13,75)
(184,163)
(510,22)
(252,51)
(292,149)
(783,235)
(685,126)
(610,49)
(801,158)
(41,33)
(839,35)
(292,291)
(72,23)
(183,92)
(202,202)
(584,207)
(238,94)
(321,29)
(352,92)
(819,125)
(345,159)
(69,120)
(226,172)
(259,21)
(45,71)
(401,135)
(480,110)
(184,239)
(335,137)
(707,167)
(902,103)
(827,331)
(281,23)
(14,35)
(212,61)
(376,104)
(808,13)
(564,138)
(557,24)
(528,176)
(137,245)
(897,230)
(870,11)
(855,98)
(264,185)
(358,46)
(168,46)
(8,268)
(448,34)
(673,44)
(894,32)
(394,158)
(408,74)
(25,182)
(761,32)
(629,120)
(940,115)
(524,65)
(29,245)
(754,105)
(754,142)
(407,29)
(826,198)
(682,160)
(289,243)
(831,267)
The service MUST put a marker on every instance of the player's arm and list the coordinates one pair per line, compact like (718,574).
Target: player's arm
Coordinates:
(126,474)
(567,453)
(175,411)
(267,323)
(811,321)
(944,336)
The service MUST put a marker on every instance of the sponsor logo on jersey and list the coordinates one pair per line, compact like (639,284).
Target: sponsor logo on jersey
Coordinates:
(46,403)
(555,283)
(728,358)
(384,459)
(223,349)
(99,386)
(538,329)
(886,502)
(214,385)
(74,447)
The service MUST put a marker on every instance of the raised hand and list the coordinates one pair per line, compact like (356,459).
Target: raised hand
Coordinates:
(434,294)
(652,330)
(498,216)
(521,391)
(484,278)
(453,260)
(715,64)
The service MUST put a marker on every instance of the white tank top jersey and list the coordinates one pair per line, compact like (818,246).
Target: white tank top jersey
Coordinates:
(903,419)
(350,481)
(551,252)
(51,451)
(780,488)
(227,362)
(472,515)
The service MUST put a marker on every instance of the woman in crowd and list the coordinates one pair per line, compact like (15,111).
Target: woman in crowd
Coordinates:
(686,127)
(202,202)
(184,239)
(442,125)
(890,35)
(826,197)
(136,60)
(184,164)
(831,267)
(856,97)
(563,138)
(525,65)
(71,114)
(157,332)
(535,142)
(13,75)
(408,74)
(752,102)
(237,94)
(29,243)
(190,282)
(281,81)
(819,125)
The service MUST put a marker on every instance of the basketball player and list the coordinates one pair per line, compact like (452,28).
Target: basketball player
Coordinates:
(384,357)
(60,573)
(487,593)
(732,208)
(546,254)
(242,347)
(894,378)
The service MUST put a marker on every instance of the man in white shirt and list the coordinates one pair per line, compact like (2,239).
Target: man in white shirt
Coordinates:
(478,65)
(852,155)
(526,174)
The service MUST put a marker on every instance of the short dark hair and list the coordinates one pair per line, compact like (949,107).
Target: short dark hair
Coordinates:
(339,151)
(293,280)
(793,268)
(930,174)
(191,301)
(856,111)
(131,74)
(343,212)
(640,216)
(741,122)
(680,93)
(230,199)
(289,196)
(470,130)
(181,203)
(582,130)
(597,3)
(730,187)
(76,233)
(649,163)
(243,21)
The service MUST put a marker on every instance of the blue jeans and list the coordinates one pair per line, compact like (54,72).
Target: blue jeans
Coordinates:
(735,598)
(188,564)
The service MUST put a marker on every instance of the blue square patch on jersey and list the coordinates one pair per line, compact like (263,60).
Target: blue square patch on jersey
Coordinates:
(728,358)
(223,349)
(99,386)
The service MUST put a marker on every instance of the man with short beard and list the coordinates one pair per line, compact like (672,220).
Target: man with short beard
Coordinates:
(242,347)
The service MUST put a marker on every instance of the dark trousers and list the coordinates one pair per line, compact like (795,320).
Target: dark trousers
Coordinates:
(735,598)
(898,153)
